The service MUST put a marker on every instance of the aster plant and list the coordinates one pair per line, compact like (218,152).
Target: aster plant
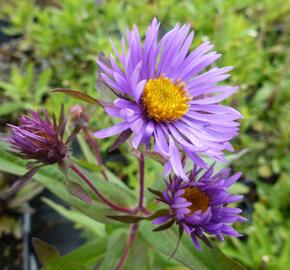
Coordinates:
(168,100)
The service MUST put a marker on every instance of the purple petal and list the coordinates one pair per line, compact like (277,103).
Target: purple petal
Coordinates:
(118,128)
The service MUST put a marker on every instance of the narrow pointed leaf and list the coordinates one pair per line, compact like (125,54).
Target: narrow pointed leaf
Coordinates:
(79,95)
(62,121)
(206,241)
(156,156)
(155,192)
(159,213)
(126,219)
(164,226)
(22,180)
(46,253)
(121,139)
(77,190)
(73,134)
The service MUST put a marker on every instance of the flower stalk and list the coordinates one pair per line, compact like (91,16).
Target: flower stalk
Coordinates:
(131,238)
(141,181)
(116,207)
(93,143)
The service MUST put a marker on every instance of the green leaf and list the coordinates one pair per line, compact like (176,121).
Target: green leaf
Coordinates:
(53,180)
(116,191)
(115,249)
(135,219)
(156,192)
(121,139)
(71,266)
(27,192)
(86,149)
(139,255)
(87,254)
(46,254)
(165,226)
(187,254)
(22,180)
(41,85)
(154,155)
(239,188)
(158,213)
(10,107)
(78,95)
(126,218)
(77,190)
(79,219)
(87,165)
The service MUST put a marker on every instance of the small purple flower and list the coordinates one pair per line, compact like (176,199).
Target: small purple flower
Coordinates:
(163,94)
(39,138)
(200,206)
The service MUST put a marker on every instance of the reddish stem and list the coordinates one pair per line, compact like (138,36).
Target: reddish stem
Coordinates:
(141,181)
(131,238)
(98,193)
(96,150)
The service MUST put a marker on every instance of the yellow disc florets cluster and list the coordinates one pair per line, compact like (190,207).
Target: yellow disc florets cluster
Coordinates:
(199,200)
(164,99)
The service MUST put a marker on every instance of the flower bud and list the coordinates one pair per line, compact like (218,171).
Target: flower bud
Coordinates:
(39,138)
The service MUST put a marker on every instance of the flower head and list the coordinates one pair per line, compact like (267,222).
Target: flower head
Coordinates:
(163,95)
(39,138)
(200,206)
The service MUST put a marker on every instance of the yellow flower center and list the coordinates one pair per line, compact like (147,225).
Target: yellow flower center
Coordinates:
(199,199)
(165,100)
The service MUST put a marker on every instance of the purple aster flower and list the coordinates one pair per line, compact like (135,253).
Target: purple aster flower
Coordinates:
(162,94)
(200,206)
(39,138)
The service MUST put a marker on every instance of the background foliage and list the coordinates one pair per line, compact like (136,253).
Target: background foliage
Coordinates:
(56,43)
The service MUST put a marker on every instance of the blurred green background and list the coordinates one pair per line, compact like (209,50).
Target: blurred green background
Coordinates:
(55,44)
